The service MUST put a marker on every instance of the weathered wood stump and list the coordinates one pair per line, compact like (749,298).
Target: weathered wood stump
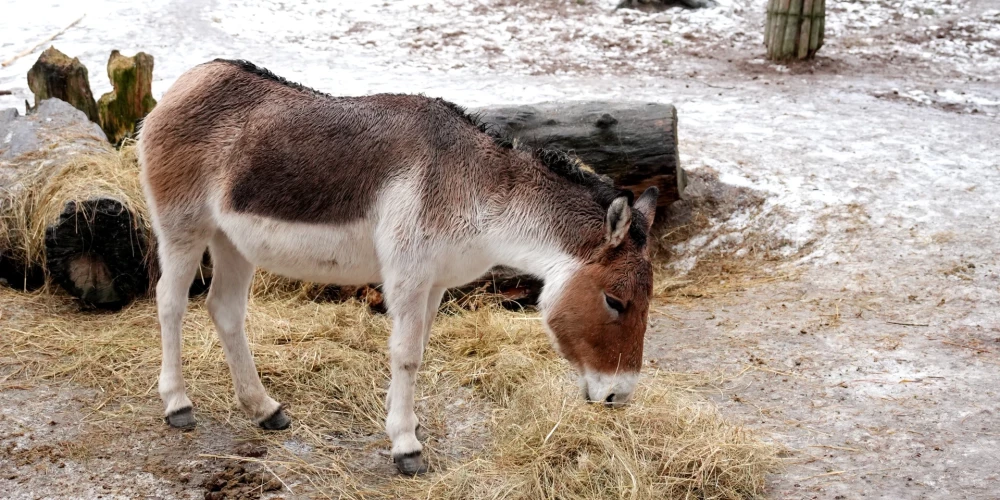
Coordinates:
(132,97)
(794,28)
(56,75)
(635,144)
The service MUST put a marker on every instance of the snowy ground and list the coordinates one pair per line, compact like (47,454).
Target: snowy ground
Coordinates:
(875,361)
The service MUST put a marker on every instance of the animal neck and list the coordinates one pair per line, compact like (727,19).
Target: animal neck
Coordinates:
(544,225)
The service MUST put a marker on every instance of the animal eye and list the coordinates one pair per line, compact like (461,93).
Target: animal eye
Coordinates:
(614,303)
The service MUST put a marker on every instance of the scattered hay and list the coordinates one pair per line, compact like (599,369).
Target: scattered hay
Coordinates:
(41,196)
(503,415)
(719,240)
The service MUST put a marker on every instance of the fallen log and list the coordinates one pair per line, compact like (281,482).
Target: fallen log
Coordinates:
(96,251)
(97,242)
(36,149)
(96,236)
(633,143)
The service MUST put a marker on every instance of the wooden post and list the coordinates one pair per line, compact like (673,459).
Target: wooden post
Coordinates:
(56,75)
(794,28)
(132,97)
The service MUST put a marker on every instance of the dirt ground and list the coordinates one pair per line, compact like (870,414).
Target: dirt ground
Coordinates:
(855,310)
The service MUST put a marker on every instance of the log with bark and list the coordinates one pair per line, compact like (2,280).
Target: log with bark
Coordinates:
(96,250)
(633,143)
(99,249)
(37,149)
(794,28)
(69,206)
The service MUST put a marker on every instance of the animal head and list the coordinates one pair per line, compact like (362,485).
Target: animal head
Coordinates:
(597,318)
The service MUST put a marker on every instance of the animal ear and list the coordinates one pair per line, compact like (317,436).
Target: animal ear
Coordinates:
(646,205)
(618,221)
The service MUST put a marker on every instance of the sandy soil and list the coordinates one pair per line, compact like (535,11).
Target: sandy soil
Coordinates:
(864,332)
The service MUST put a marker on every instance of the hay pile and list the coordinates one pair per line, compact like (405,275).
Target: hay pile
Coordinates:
(51,180)
(501,410)
(503,416)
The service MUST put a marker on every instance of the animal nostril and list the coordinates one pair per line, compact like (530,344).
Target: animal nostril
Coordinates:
(610,398)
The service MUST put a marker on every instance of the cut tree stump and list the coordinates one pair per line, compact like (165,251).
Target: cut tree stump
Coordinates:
(794,28)
(56,75)
(132,97)
(633,143)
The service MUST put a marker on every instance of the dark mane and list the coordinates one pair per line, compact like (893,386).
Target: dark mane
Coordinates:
(601,187)
(265,73)
(474,119)
(565,165)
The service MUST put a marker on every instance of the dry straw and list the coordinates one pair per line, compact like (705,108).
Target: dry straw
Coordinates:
(502,414)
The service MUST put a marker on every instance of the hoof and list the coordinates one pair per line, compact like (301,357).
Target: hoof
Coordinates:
(182,419)
(411,464)
(421,434)
(277,421)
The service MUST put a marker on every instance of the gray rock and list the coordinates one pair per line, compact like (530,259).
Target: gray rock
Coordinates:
(7,115)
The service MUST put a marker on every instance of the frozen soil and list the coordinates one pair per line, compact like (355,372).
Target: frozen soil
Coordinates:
(863,328)
(60,440)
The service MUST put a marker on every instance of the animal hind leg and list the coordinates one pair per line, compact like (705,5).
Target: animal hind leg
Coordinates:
(227,305)
(179,259)
(407,302)
(433,304)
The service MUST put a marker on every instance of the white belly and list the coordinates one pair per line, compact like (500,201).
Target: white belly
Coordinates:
(341,254)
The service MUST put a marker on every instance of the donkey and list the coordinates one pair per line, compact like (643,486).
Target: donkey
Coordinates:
(400,189)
